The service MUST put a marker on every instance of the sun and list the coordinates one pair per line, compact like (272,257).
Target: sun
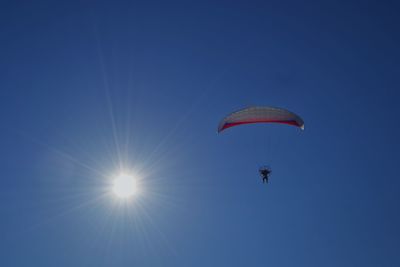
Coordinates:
(125,185)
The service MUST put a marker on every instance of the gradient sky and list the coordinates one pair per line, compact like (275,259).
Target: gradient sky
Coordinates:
(89,86)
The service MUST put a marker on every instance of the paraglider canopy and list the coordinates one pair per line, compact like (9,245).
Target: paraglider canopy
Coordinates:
(261,115)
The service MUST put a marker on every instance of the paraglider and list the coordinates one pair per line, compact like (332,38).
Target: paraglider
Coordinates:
(258,114)
(264,173)
(261,115)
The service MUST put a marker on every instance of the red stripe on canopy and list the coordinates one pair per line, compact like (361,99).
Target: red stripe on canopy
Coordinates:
(228,125)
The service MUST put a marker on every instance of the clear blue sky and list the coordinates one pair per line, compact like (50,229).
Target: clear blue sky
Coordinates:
(87,85)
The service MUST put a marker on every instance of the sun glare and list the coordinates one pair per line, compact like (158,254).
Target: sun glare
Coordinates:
(125,186)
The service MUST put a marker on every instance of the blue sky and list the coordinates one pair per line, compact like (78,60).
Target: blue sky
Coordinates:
(89,86)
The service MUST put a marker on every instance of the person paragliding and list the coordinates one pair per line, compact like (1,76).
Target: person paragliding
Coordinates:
(261,114)
(264,173)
